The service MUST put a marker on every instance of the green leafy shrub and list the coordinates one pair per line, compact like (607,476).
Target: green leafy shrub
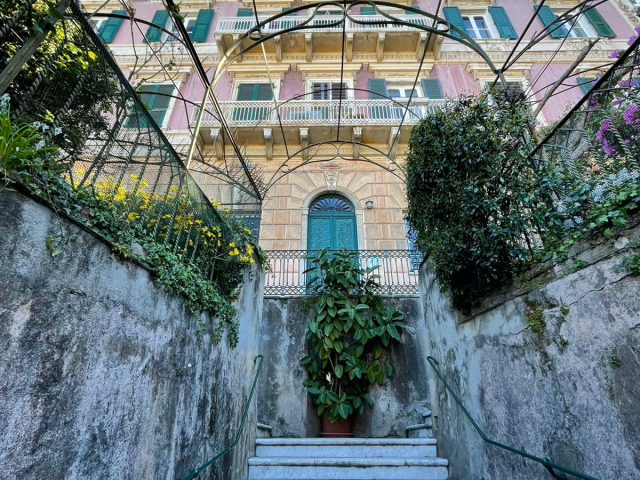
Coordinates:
(347,335)
(127,213)
(474,195)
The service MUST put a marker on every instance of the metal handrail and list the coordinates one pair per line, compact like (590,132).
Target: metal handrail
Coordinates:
(545,462)
(196,471)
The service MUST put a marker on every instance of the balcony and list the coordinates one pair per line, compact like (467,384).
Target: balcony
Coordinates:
(323,34)
(313,121)
(398,271)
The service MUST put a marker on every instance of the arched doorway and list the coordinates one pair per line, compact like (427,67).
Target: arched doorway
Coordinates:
(332,223)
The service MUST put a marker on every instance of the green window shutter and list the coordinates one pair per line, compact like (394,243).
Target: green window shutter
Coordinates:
(586,83)
(161,101)
(201,28)
(502,22)
(263,92)
(245,92)
(367,11)
(244,24)
(288,23)
(547,17)
(431,88)
(155,100)
(160,19)
(110,27)
(377,88)
(599,24)
(454,17)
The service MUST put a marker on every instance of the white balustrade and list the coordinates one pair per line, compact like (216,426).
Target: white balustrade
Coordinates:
(322,112)
(320,23)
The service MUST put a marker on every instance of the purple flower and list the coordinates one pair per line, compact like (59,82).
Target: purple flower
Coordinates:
(632,39)
(629,114)
(615,54)
(616,102)
(601,131)
(624,83)
(627,142)
(637,29)
(608,148)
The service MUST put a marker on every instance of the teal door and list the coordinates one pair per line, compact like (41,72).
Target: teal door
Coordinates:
(332,223)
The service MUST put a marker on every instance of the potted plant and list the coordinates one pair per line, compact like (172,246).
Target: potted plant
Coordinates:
(347,338)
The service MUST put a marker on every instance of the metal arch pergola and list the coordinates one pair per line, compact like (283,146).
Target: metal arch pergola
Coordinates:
(254,185)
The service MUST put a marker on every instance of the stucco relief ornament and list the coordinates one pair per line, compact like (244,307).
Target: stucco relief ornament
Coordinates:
(331,165)
(332,179)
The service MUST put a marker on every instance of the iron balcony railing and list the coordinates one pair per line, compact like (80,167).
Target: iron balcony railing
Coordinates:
(398,270)
(322,112)
(320,23)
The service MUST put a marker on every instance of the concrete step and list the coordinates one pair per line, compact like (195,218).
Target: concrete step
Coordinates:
(345,447)
(421,430)
(264,430)
(312,468)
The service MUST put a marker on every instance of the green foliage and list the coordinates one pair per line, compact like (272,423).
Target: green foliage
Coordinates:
(632,262)
(614,361)
(533,313)
(64,67)
(20,144)
(348,335)
(475,196)
(117,219)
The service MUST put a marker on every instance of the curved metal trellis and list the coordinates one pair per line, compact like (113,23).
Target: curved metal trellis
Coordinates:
(263,31)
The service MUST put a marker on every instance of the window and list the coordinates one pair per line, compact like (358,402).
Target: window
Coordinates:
(589,24)
(156,98)
(404,91)
(98,24)
(580,28)
(476,26)
(253,92)
(189,23)
(329,90)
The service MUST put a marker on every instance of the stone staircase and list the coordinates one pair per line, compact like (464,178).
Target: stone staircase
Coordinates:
(350,458)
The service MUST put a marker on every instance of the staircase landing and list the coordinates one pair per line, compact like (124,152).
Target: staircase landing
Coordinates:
(347,459)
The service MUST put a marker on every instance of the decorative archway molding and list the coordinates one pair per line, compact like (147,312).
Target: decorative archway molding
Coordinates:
(349,195)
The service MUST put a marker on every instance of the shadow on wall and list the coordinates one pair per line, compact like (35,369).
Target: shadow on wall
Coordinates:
(283,401)
(104,374)
(555,372)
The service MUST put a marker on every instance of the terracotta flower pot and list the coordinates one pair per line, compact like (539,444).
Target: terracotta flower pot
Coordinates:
(340,428)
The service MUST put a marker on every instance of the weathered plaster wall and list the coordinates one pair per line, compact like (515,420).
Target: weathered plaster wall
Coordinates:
(559,393)
(103,375)
(282,399)
(568,94)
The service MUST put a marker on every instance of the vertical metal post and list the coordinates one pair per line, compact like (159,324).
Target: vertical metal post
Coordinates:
(282,276)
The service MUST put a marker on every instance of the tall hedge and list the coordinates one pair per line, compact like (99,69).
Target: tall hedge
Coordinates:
(476,201)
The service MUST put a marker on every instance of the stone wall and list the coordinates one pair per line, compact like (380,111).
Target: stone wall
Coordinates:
(282,399)
(570,392)
(103,374)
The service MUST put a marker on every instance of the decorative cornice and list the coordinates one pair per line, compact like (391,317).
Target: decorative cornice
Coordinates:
(629,12)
